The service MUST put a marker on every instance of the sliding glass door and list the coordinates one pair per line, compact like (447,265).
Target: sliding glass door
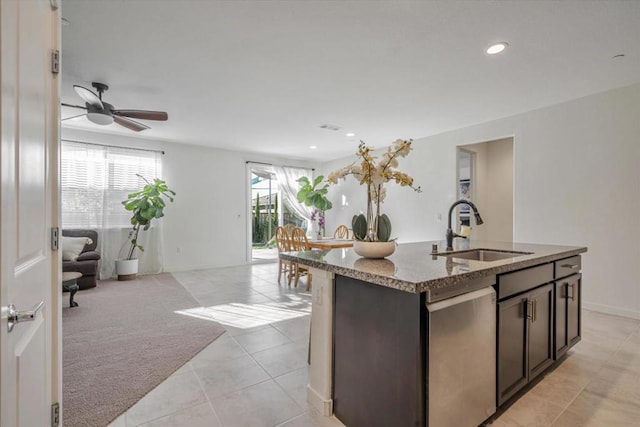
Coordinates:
(264,215)
(273,204)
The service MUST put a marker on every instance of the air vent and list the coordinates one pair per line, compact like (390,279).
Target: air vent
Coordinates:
(330,127)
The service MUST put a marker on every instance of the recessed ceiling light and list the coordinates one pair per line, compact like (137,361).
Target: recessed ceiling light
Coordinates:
(313,147)
(350,134)
(496,48)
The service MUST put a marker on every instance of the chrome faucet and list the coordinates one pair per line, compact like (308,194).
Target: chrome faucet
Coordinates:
(450,234)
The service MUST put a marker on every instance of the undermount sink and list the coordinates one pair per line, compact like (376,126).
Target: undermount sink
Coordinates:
(484,254)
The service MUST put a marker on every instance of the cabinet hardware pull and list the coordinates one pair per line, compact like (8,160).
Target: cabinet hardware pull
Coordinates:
(573,292)
(534,310)
(565,290)
(571,266)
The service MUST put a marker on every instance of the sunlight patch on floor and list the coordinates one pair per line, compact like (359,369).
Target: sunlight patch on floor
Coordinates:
(245,316)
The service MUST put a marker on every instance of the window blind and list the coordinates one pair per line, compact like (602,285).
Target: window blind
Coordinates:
(95,179)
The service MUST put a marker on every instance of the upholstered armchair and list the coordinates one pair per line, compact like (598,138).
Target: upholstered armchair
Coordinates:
(81,258)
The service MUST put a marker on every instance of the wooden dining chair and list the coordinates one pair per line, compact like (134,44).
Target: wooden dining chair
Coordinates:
(289,228)
(284,245)
(300,243)
(342,232)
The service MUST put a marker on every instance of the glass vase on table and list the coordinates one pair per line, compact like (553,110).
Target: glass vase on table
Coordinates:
(317,216)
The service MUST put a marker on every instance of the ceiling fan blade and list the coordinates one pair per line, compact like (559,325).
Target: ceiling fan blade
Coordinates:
(73,117)
(88,96)
(74,106)
(142,114)
(130,124)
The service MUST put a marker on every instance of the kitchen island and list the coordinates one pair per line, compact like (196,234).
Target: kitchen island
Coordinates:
(391,342)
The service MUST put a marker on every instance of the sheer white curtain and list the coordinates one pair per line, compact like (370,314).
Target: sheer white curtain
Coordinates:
(288,184)
(95,179)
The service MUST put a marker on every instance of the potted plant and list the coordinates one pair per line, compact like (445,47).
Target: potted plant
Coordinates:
(373,232)
(312,194)
(145,205)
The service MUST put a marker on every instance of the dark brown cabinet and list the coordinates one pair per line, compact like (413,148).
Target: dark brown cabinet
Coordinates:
(568,316)
(539,319)
(525,339)
(379,355)
(540,331)
(512,346)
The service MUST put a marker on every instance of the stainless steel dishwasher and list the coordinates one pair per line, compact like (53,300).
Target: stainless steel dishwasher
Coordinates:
(461,371)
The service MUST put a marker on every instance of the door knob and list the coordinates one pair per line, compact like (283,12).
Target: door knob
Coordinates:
(14,316)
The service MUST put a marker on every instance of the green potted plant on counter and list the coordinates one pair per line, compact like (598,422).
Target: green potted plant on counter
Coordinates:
(373,231)
(145,205)
(312,194)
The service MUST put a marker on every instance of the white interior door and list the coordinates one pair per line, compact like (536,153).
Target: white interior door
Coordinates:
(29,269)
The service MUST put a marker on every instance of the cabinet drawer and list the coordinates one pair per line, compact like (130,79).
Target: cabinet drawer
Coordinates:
(568,266)
(523,280)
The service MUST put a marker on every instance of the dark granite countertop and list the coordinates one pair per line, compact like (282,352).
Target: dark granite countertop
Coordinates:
(412,267)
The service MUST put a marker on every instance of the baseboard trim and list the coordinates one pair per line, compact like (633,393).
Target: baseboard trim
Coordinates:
(324,406)
(608,309)
(178,269)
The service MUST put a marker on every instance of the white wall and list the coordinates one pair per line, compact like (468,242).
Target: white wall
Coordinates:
(208,220)
(499,188)
(577,182)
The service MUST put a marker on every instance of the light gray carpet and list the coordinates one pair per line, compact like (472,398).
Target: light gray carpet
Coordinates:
(123,340)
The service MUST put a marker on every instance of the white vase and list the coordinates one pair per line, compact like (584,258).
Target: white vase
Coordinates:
(126,269)
(374,249)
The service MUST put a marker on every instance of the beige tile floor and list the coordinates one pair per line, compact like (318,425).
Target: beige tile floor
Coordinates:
(255,374)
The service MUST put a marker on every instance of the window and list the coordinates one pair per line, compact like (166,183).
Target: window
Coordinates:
(96,178)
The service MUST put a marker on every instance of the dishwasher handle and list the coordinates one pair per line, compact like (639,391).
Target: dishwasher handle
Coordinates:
(441,305)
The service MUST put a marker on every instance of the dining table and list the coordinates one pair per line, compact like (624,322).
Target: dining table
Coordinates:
(329,243)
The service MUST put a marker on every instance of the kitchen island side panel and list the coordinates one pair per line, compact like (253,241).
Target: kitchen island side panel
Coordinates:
(379,355)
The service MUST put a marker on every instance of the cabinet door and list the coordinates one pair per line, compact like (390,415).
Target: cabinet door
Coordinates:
(512,347)
(378,338)
(561,341)
(574,315)
(540,330)
(568,313)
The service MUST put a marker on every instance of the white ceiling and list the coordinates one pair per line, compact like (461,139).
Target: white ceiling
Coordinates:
(262,76)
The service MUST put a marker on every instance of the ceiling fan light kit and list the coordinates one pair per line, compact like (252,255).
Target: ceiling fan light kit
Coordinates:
(100,118)
(103,113)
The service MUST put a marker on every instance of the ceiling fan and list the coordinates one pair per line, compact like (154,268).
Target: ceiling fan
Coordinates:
(103,113)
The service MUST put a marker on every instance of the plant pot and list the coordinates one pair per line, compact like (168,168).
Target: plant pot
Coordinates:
(126,269)
(374,249)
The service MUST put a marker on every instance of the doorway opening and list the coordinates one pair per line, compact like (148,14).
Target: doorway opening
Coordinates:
(485,176)
(466,179)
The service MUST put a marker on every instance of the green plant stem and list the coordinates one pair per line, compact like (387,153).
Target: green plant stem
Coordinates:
(370,230)
(134,240)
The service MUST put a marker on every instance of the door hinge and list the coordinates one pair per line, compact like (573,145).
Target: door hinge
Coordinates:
(55,415)
(55,238)
(55,61)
